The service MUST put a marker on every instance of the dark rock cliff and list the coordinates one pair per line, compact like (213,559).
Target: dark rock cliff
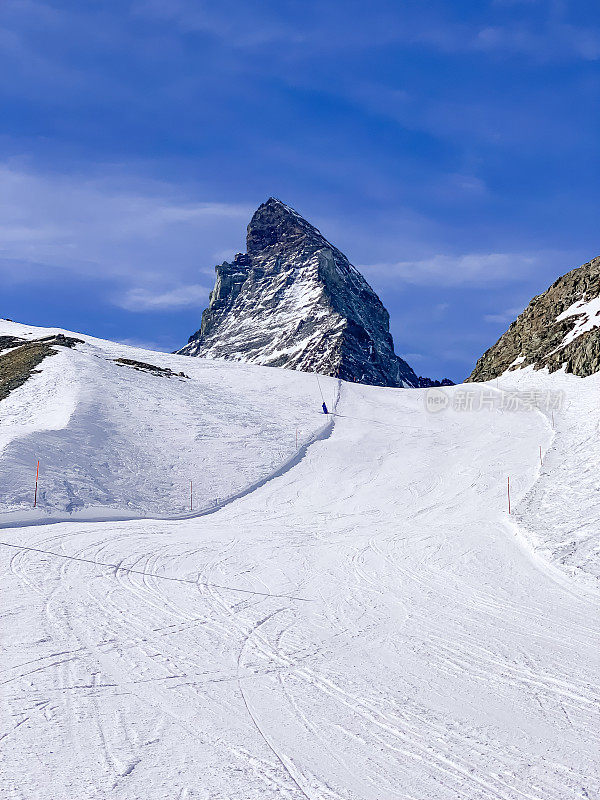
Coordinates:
(294,300)
(559,327)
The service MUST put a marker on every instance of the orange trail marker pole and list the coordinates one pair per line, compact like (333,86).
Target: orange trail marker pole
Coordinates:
(37,475)
(508,491)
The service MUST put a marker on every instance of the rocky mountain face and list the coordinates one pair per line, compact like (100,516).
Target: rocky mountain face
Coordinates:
(294,300)
(559,327)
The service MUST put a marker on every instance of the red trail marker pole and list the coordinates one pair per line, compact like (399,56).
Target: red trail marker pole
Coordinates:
(508,492)
(37,475)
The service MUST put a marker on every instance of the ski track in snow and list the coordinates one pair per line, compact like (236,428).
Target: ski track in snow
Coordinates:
(447,651)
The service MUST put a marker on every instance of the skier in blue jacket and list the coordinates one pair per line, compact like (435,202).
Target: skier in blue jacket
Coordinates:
(325,409)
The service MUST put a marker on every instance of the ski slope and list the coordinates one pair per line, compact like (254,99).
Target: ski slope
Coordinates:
(359,618)
(114,441)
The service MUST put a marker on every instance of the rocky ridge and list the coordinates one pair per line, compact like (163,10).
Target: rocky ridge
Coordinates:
(560,327)
(294,300)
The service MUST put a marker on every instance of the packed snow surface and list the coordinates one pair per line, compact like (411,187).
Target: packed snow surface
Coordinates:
(119,441)
(358,617)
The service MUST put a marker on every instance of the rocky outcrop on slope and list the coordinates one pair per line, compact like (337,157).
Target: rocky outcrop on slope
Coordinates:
(294,300)
(559,327)
(152,369)
(22,356)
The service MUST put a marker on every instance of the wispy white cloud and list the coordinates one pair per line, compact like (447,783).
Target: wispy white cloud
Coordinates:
(143,237)
(503,119)
(242,27)
(470,269)
(544,35)
(149,344)
(148,300)
(503,316)
(550,42)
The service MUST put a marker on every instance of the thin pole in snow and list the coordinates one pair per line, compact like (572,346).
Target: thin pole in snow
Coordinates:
(508,491)
(296,438)
(191,497)
(319,383)
(553,419)
(37,474)
(540,455)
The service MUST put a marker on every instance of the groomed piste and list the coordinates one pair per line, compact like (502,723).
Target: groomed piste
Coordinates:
(337,606)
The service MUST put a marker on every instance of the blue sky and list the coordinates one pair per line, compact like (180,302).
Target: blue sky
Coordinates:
(450,149)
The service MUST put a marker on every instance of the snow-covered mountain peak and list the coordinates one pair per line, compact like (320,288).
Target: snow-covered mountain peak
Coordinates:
(294,300)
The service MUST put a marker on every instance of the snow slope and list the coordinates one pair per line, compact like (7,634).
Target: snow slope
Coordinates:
(116,441)
(369,623)
(560,515)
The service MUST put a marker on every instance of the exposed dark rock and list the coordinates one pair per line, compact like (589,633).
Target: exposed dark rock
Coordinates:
(6,342)
(294,300)
(23,356)
(19,363)
(61,339)
(427,383)
(152,368)
(539,338)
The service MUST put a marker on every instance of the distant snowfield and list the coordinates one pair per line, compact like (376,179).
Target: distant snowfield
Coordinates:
(359,619)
